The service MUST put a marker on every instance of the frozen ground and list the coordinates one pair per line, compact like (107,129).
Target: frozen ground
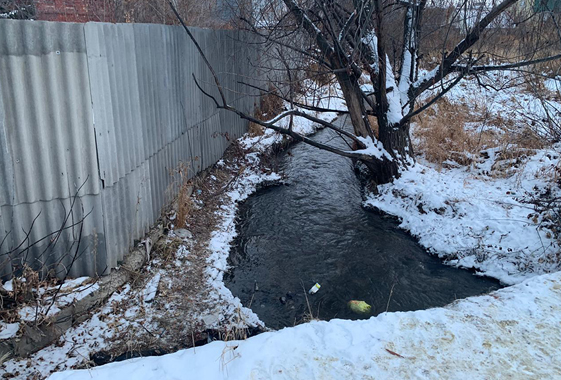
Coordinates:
(176,296)
(474,221)
(514,333)
(482,216)
(464,215)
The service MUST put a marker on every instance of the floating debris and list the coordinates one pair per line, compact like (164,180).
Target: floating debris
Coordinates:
(359,307)
(314,288)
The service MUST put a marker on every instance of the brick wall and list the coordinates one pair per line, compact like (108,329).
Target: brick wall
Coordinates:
(74,10)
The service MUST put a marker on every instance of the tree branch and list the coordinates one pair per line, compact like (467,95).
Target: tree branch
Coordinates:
(471,38)
(298,137)
(507,66)
(408,117)
(302,18)
(203,56)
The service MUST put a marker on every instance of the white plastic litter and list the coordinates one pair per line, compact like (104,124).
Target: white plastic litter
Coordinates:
(314,288)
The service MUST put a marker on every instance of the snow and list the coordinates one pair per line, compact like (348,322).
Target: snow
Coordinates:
(553,84)
(222,238)
(404,82)
(506,97)
(374,149)
(68,294)
(73,283)
(371,40)
(479,217)
(76,344)
(513,333)
(425,76)
(474,222)
(395,113)
(9,285)
(151,288)
(8,330)
(346,26)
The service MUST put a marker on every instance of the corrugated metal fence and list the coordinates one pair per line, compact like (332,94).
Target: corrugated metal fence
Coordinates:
(94,119)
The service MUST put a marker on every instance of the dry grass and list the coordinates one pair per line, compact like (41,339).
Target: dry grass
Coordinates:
(319,74)
(442,136)
(184,201)
(374,125)
(270,105)
(255,130)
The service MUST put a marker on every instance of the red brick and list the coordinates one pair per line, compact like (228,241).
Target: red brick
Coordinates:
(74,10)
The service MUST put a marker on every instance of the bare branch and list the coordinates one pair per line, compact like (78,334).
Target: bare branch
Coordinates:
(408,117)
(203,56)
(472,37)
(509,66)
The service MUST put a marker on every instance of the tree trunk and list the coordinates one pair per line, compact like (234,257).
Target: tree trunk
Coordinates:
(397,143)
(395,140)
(355,105)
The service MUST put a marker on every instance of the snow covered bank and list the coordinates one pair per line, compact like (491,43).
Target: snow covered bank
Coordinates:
(246,183)
(180,294)
(474,221)
(514,333)
(481,215)
(221,239)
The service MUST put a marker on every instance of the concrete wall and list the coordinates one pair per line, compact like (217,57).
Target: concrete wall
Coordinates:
(93,119)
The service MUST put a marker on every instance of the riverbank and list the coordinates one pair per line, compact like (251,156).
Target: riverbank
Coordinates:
(178,299)
(484,193)
(513,333)
(473,221)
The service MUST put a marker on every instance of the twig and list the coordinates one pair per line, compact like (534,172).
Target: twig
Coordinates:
(390,297)
(307,301)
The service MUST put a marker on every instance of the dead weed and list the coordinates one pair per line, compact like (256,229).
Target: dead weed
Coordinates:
(445,136)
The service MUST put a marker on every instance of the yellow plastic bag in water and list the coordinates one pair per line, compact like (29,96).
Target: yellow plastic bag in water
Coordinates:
(359,307)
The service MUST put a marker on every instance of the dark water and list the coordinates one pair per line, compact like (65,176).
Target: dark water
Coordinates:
(315,230)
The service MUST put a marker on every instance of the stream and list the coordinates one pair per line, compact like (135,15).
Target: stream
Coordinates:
(314,229)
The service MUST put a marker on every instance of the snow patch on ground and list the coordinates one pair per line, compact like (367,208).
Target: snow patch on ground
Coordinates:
(505,96)
(75,345)
(8,330)
(553,84)
(476,221)
(513,333)
(151,288)
(68,294)
(222,238)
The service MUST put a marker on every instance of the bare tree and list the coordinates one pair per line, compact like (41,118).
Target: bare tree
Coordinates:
(17,9)
(38,262)
(196,13)
(383,40)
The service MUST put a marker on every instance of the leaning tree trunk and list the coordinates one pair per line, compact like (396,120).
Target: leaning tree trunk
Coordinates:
(355,104)
(395,140)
